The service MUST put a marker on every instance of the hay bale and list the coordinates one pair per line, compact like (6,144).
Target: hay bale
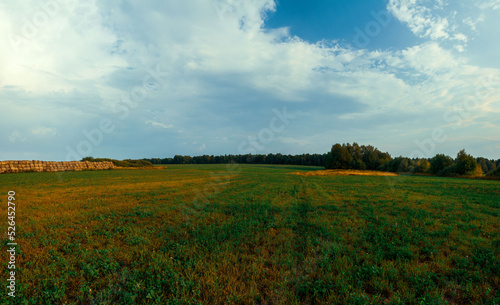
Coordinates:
(52,166)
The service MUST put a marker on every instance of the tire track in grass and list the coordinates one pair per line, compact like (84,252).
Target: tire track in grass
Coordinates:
(308,284)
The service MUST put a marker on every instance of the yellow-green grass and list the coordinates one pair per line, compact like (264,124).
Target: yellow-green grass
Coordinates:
(252,234)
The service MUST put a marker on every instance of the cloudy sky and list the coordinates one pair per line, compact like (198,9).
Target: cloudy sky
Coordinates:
(135,79)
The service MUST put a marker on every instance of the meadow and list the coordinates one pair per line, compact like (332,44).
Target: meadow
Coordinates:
(252,234)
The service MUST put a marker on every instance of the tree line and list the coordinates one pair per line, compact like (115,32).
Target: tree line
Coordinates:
(303,159)
(121,163)
(354,156)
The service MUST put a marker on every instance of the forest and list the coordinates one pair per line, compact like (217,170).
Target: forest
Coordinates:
(359,157)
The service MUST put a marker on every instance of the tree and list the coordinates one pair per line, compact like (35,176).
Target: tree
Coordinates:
(439,162)
(422,166)
(384,158)
(485,164)
(465,164)
(178,159)
(358,164)
(495,172)
(479,171)
(370,156)
(404,165)
(354,151)
(338,158)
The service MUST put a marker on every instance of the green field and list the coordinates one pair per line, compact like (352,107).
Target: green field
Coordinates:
(208,234)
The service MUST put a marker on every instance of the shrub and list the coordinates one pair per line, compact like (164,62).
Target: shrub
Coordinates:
(449,171)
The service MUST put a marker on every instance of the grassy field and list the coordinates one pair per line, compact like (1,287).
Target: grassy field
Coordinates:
(209,234)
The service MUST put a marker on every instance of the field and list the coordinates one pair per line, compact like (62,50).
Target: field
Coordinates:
(243,234)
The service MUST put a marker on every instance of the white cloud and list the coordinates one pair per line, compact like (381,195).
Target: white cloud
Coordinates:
(299,142)
(430,58)
(158,124)
(223,74)
(472,23)
(491,4)
(16,136)
(427,21)
(59,48)
(44,131)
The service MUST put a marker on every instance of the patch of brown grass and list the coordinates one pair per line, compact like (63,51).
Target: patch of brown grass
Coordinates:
(344,172)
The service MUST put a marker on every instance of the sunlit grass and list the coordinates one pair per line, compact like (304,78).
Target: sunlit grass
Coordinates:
(201,234)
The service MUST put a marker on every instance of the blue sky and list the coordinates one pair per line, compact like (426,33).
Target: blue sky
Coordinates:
(320,20)
(135,79)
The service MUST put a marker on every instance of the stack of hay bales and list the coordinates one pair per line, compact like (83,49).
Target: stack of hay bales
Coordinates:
(100,165)
(8,167)
(14,167)
(50,166)
(38,166)
(24,166)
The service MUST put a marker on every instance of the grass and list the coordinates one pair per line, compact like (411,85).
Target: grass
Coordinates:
(345,172)
(250,234)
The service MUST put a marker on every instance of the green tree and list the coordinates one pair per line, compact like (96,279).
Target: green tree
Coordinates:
(495,172)
(178,159)
(486,165)
(422,166)
(338,158)
(439,162)
(370,157)
(465,164)
(357,164)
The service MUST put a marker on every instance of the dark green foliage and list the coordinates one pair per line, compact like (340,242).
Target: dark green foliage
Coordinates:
(449,171)
(465,164)
(439,162)
(304,159)
(422,166)
(357,158)
(357,164)
(347,156)
(399,165)
(374,158)
(486,165)
(485,258)
(338,158)
(495,172)
(124,163)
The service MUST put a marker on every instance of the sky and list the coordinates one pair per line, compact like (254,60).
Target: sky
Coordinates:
(143,79)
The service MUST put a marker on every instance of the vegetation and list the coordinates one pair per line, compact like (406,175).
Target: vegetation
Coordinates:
(487,165)
(439,163)
(339,158)
(494,172)
(465,164)
(124,163)
(253,234)
(304,159)
(354,156)
(347,156)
